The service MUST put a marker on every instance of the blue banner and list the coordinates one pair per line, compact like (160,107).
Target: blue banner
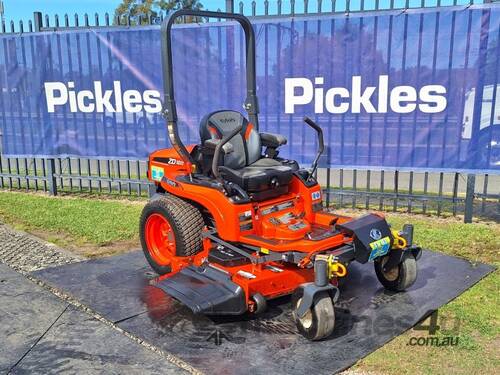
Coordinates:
(408,90)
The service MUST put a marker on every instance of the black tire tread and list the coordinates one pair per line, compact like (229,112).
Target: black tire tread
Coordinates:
(323,316)
(406,277)
(186,221)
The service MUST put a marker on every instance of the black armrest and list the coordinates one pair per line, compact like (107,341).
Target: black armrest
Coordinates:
(211,144)
(272,140)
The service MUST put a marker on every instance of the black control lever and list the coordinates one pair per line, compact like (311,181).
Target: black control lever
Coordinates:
(321,144)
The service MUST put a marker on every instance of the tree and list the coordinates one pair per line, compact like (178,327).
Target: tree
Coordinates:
(140,11)
(169,5)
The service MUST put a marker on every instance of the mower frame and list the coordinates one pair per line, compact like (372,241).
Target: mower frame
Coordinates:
(220,251)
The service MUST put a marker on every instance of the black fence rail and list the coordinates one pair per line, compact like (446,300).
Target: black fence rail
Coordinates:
(266,8)
(75,175)
(441,194)
(414,192)
(399,191)
(293,7)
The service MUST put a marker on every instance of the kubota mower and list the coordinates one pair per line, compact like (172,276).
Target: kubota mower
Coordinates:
(233,225)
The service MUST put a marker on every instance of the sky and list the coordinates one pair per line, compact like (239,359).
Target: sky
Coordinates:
(23,9)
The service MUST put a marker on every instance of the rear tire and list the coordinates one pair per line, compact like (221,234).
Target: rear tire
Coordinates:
(169,227)
(319,321)
(398,278)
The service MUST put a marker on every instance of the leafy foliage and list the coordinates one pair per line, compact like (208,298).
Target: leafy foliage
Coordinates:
(141,11)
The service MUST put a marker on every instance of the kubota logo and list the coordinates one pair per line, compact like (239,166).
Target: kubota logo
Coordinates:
(376,234)
(227,120)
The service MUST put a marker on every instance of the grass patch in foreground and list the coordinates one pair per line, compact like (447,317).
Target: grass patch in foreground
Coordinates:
(72,221)
(477,352)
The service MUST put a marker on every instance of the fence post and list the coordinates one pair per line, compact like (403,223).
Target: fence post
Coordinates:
(51,163)
(151,190)
(229,6)
(469,198)
(38,24)
(51,179)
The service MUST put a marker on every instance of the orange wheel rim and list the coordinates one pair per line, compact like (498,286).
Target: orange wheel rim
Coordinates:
(160,239)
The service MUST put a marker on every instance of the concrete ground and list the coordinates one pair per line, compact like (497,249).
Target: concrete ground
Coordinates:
(42,333)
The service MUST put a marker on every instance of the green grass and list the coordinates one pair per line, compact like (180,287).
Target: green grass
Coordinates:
(97,222)
(477,352)
(476,242)
(84,220)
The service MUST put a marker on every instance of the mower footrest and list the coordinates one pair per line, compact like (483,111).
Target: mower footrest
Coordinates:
(205,290)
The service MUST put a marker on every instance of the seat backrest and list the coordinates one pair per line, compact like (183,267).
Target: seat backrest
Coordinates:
(246,144)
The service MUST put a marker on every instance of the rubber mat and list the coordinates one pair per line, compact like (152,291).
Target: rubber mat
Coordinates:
(367,316)
(42,334)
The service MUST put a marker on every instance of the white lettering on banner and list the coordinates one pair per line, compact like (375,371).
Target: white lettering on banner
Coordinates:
(298,92)
(99,100)
(338,100)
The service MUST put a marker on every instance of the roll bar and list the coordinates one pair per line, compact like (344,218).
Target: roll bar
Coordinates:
(169,108)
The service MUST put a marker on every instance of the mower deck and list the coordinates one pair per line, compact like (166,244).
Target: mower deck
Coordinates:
(119,289)
(205,290)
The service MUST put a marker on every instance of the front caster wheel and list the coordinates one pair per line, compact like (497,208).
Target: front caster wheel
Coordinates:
(260,303)
(319,320)
(398,278)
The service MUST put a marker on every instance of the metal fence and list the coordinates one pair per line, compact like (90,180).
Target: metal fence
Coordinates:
(402,191)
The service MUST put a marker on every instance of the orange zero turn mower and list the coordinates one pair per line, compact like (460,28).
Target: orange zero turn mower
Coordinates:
(233,225)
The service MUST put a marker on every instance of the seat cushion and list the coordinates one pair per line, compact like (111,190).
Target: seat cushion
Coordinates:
(262,175)
(246,144)
(268,162)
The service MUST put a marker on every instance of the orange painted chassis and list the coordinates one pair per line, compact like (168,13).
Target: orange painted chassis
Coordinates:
(262,234)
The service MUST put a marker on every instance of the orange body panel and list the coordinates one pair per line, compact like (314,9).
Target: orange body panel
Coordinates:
(264,233)
(272,280)
(269,230)
(214,201)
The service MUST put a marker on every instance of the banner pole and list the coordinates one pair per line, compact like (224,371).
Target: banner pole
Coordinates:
(469,198)
(51,179)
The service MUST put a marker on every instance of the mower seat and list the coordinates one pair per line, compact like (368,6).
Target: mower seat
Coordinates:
(245,165)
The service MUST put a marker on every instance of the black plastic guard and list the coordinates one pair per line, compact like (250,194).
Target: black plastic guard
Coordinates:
(205,290)
(365,230)
(310,290)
